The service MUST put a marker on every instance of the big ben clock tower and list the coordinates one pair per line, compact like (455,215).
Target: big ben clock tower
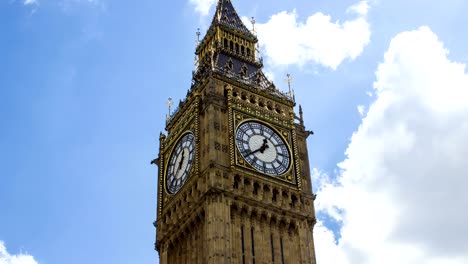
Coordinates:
(233,172)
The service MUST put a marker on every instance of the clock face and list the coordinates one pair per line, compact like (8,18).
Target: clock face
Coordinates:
(180,163)
(263,148)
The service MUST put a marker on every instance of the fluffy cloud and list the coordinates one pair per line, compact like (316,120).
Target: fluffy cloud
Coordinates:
(202,6)
(286,41)
(400,194)
(30,2)
(6,258)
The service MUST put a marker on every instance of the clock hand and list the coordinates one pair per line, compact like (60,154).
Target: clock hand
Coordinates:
(261,149)
(182,159)
(264,146)
(180,163)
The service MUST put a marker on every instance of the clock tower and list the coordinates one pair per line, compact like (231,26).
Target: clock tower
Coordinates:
(234,181)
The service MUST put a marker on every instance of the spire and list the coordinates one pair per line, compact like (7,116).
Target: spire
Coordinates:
(227,16)
(229,49)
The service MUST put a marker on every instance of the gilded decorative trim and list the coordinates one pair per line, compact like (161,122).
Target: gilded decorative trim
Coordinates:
(231,126)
(296,159)
(162,139)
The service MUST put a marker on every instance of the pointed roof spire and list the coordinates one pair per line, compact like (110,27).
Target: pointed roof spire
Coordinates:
(227,16)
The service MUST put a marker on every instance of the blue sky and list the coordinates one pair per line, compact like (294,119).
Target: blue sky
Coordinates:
(84,85)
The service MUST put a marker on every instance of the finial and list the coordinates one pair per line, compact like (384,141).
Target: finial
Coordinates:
(301,115)
(218,15)
(169,104)
(253,26)
(291,91)
(197,43)
(198,36)
(212,55)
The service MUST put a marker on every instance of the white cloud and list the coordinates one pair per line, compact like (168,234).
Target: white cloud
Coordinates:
(203,6)
(30,2)
(287,41)
(401,193)
(6,258)
(360,8)
(71,5)
(362,110)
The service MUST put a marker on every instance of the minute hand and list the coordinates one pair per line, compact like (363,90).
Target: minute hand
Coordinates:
(261,149)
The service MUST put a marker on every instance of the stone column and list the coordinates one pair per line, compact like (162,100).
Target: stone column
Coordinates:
(247,239)
(163,254)
(236,239)
(218,229)
(276,242)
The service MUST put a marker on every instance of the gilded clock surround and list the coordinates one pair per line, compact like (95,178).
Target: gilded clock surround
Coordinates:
(289,174)
(187,121)
(227,212)
(190,166)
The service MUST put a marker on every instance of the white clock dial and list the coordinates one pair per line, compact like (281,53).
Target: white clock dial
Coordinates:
(263,148)
(180,163)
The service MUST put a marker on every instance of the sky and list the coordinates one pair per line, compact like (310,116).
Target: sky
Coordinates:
(84,85)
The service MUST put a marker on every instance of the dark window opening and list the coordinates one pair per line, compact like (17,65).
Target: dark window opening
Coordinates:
(256,187)
(253,244)
(242,238)
(281,248)
(275,194)
(293,201)
(272,249)
(236,182)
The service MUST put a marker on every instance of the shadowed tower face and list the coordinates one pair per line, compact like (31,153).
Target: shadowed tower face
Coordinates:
(233,172)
